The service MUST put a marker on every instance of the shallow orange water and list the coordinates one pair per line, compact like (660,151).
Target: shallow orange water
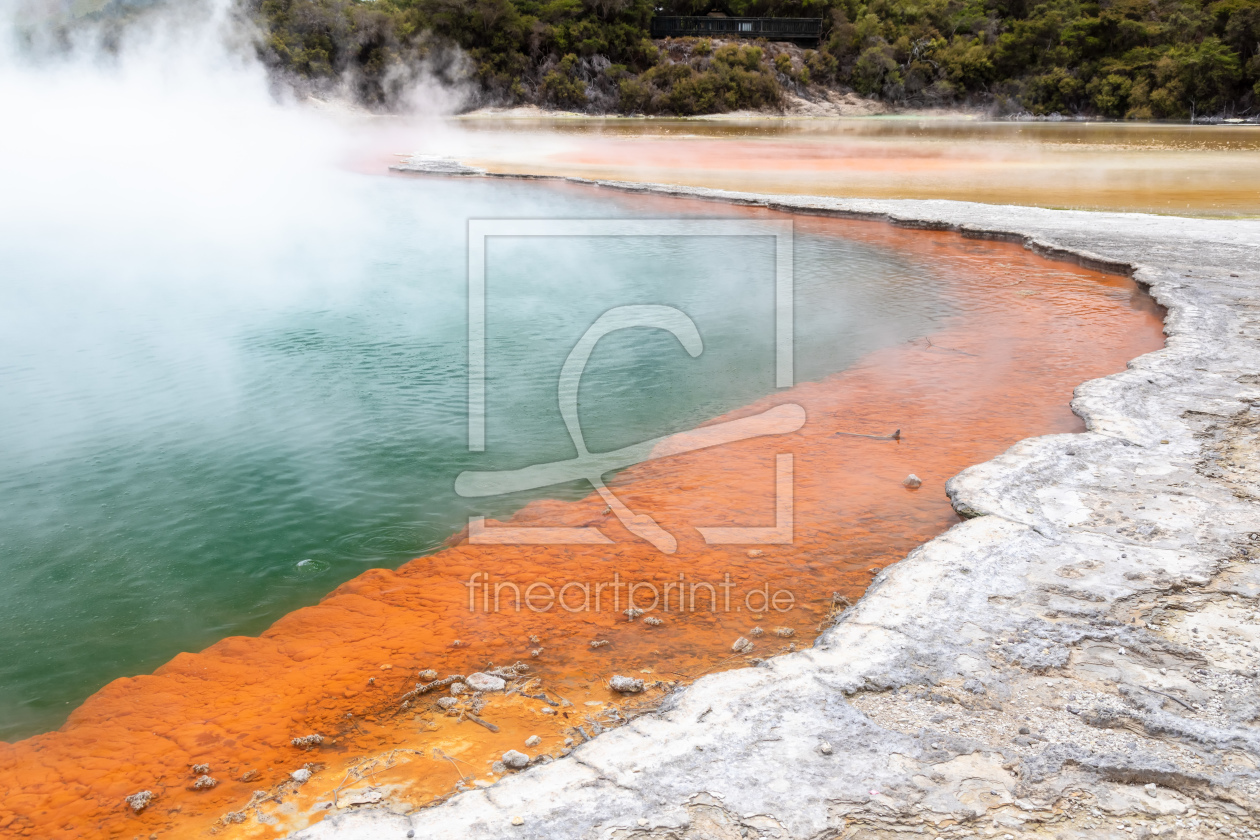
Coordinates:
(1004,371)
(1139,167)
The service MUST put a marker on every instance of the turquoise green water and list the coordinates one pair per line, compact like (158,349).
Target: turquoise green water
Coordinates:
(197,437)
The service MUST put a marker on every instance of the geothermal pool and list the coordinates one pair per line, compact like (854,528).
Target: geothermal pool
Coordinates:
(191,456)
(179,467)
(1190,170)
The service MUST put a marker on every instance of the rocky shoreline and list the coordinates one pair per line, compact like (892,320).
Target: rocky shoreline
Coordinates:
(1076,659)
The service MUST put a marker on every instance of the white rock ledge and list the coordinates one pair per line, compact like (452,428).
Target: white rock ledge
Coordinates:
(1078,659)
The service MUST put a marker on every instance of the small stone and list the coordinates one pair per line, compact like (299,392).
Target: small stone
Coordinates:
(642,821)
(200,769)
(307,742)
(458,688)
(912,482)
(411,832)
(824,748)
(447,702)
(755,552)
(498,768)
(533,741)
(756,631)
(485,682)
(598,643)
(428,675)
(386,667)
(301,775)
(625,685)
(1151,791)
(784,632)
(1024,730)
(518,821)
(652,621)
(515,759)
(547,710)
(742,645)
(974,686)
(204,782)
(137,802)
(633,613)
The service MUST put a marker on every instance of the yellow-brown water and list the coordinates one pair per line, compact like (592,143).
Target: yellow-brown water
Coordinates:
(1170,169)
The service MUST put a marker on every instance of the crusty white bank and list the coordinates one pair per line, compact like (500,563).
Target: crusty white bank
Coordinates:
(1077,659)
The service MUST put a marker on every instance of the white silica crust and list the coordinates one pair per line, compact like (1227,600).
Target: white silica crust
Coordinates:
(1076,659)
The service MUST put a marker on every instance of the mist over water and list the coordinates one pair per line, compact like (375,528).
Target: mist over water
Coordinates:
(232,371)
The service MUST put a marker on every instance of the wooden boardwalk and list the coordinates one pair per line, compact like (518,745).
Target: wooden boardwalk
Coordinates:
(798,30)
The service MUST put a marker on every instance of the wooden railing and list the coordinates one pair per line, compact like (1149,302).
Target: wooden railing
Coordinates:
(800,30)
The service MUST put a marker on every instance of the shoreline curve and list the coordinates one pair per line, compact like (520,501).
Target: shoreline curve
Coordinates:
(1078,658)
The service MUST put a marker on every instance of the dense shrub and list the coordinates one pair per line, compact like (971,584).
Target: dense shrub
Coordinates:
(1116,58)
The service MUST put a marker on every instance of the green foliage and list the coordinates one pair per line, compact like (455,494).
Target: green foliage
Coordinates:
(1133,59)
(735,77)
(562,86)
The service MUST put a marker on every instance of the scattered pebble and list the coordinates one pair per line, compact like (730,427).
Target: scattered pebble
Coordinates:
(518,821)
(598,643)
(652,621)
(307,742)
(428,675)
(485,682)
(204,782)
(755,552)
(515,759)
(824,748)
(784,632)
(447,702)
(742,645)
(200,769)
(458,688)
(301,775)
(547,710)
(533,741)
(625,685)
(633,613)
(756,631)
(387,667)
(139,801)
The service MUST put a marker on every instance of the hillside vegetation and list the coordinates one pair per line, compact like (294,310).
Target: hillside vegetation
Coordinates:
(1134,59)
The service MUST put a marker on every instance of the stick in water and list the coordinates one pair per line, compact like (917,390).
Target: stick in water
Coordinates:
(894,436)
